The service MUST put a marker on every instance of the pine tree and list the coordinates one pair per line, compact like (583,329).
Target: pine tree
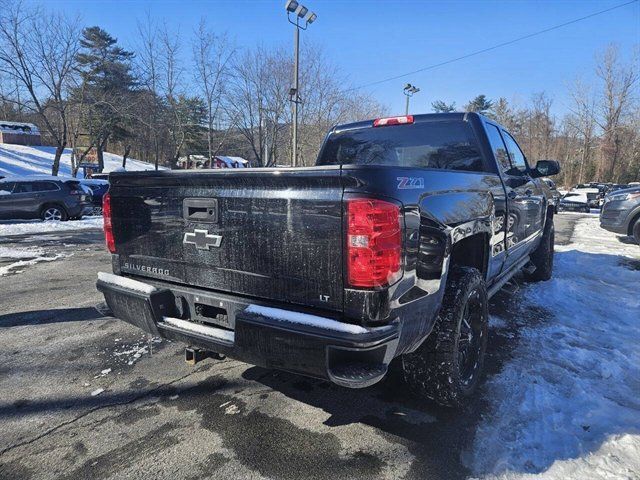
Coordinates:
(108,88)
(440,106)
(480,104)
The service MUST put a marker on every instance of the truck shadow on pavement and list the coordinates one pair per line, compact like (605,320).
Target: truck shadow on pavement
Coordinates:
(42,317)
(436,436)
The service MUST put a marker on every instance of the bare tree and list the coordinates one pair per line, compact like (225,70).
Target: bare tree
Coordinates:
(259,102)
(148,71)
(618,82)
(38,53)
(171,77)
(211,56)
(583,123)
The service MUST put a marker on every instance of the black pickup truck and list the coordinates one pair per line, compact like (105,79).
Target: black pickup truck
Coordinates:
(389,247)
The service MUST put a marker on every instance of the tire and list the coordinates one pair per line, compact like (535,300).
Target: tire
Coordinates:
(587,209)
(542,257)
(447,367)
(53,213)
(636,231)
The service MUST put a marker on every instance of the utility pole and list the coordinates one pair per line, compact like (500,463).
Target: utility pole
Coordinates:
(409,90)
(295,97)
(300,11)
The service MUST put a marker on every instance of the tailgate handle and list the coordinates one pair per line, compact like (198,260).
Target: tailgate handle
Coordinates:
(203,210)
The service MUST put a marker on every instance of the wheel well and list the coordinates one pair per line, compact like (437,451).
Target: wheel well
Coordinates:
(632,223)
(472,251)
(52,204)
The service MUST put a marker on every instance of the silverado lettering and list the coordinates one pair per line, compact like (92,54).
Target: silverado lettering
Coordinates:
(145,268)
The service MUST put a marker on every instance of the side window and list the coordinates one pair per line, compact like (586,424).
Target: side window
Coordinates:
(518,161)
(6,188)
(44,186)
(23,187)
(498,147)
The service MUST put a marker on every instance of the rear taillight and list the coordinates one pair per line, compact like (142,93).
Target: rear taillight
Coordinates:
(385,122)
(374,243)
(108,228)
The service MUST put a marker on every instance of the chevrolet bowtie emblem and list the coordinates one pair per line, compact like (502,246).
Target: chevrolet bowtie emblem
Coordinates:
(202,240)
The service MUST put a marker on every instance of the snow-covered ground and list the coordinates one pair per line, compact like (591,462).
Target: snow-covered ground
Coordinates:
(567,405)
(24,160)
(14,260)
(21,227)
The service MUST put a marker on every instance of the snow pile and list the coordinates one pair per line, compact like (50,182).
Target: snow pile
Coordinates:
(568,404)
(25,257)
(217,333)
(14,267)
(19,253)
(38,226)
(130,353)
(124,282)
(306,319)
(29,160)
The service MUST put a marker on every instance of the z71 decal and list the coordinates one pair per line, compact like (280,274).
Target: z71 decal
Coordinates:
(405,183)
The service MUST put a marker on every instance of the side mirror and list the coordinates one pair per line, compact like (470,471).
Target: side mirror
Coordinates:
(546,168)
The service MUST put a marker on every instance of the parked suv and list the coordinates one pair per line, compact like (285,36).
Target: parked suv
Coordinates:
(45,197)
(621,212)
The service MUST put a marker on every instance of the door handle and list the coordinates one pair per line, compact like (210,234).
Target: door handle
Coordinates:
(512,194)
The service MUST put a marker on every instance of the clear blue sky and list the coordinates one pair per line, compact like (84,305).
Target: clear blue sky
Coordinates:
(371,40)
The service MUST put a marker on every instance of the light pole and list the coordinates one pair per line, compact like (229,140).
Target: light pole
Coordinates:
(301,12)
(409,90)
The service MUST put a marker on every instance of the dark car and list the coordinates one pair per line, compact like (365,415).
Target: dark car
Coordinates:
(621,212)
(574,201)
(97,188)
(389,247)
(45,197)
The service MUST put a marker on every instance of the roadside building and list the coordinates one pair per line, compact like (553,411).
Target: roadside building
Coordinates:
(19,133)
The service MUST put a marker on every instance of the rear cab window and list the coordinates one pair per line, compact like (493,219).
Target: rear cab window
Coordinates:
(448,145)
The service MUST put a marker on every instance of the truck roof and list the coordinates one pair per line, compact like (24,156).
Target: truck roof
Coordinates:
(417,118)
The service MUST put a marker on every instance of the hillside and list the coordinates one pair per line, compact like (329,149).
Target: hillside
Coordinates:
(24,160)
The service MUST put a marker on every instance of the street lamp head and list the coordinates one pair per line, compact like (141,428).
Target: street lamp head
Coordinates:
(312,18)
(301,11)
(291,5)
(407,87)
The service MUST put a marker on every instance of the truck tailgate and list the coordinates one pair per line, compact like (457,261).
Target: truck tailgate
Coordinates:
(273,234)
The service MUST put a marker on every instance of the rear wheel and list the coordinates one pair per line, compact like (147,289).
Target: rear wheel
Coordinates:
(53,213)
(636,231)
(447,367)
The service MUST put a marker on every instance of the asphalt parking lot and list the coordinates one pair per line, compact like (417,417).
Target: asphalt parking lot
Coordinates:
(87,396)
